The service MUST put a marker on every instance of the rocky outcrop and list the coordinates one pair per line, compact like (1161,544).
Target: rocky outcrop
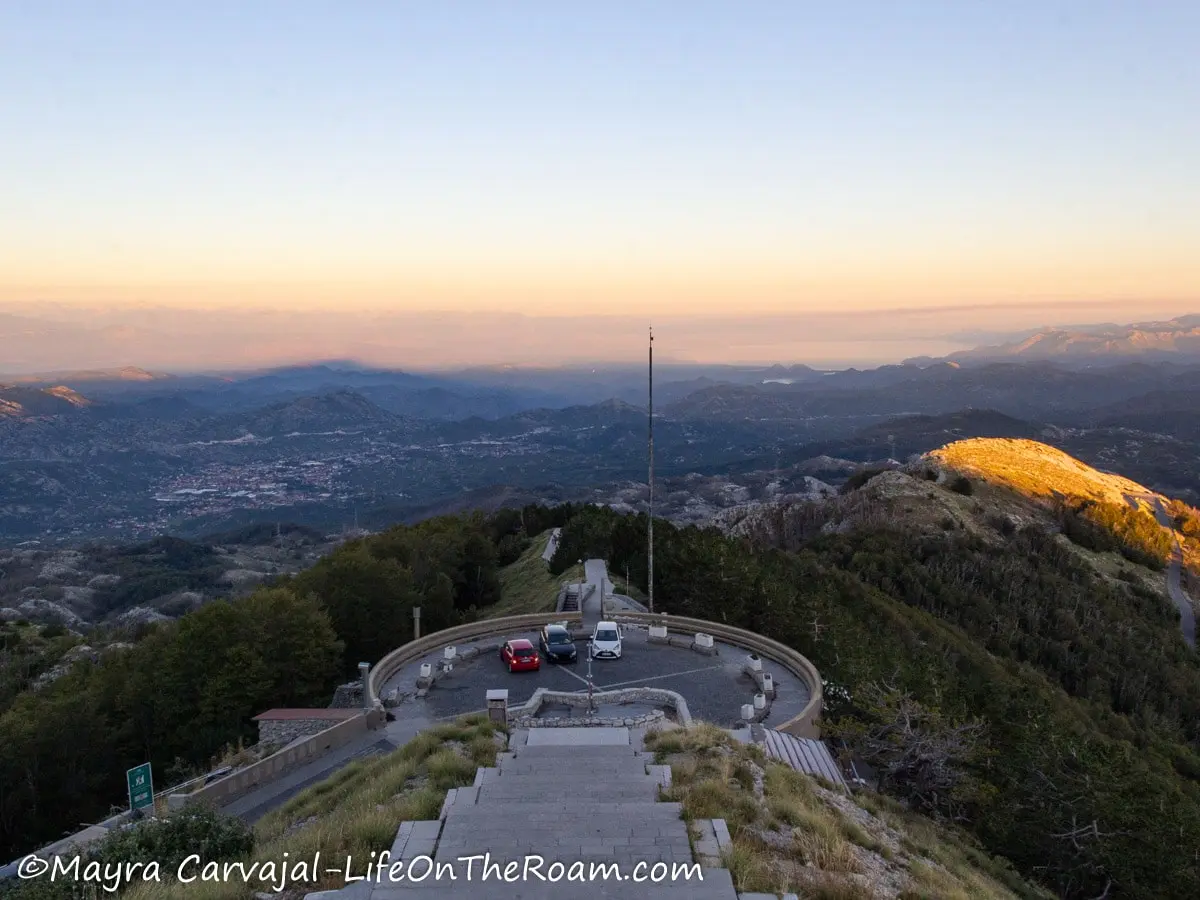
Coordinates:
(55,570)
(68,659)
(47,612)
(142,615)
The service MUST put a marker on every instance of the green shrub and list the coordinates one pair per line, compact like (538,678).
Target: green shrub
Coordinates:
(215,837)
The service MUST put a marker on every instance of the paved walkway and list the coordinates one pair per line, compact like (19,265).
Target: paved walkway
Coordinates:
(564,795)
(552,545)
(596,573)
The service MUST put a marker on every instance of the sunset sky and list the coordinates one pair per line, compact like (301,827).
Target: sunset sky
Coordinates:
(670,159)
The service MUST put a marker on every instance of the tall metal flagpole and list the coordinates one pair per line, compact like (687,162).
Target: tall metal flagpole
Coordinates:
(650,523)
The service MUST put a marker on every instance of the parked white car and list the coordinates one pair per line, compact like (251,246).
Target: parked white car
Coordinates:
(605,642)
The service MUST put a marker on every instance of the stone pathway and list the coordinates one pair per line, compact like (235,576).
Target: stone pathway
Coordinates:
(567,795)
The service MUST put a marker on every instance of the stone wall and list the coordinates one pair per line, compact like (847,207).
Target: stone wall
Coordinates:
(526,716)
(638,721)
(281,732)
(348,696)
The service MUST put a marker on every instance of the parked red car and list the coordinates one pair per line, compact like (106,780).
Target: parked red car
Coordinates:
(520,656)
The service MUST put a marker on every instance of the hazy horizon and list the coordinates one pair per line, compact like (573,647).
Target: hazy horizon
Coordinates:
(44,338)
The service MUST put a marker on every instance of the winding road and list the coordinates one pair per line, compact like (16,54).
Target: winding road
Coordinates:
(1187,615)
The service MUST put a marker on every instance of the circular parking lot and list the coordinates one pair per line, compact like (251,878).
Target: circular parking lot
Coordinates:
(715,687)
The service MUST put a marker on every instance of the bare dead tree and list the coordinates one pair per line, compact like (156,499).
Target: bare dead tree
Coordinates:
(915,750)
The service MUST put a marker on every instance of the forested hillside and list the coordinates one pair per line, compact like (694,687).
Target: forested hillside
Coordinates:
(1039,670)
(179,693)
(1060,706)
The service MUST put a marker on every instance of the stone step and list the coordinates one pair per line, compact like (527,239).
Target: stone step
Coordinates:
(543,781)
(556,768)
(573,773)
(709,884)
(600,842)
(531,756)
(606,749)
(564,810)
(499,797)
(581,774)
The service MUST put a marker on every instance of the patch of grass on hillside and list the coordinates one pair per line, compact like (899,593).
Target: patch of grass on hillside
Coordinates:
(357,810)
(526,586)
(628,588)
(1114,566)
(791,834)
(1035,469)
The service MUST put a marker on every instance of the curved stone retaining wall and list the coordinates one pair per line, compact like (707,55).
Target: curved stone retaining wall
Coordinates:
(802,725)
(414,650)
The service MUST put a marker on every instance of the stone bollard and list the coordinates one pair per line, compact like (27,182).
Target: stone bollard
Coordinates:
(703,643)
(753,663)
(760,701)
(768,684)
(658,634)
(497,706)
(426,670)
(449,653)
(747,712)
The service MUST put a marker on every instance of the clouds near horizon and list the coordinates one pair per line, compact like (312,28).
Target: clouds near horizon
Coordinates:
(46,337)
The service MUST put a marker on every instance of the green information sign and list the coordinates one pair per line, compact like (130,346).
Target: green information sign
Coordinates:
(141,787)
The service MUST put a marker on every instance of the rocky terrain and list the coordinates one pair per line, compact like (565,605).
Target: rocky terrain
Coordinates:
(138,584)
(1011,484)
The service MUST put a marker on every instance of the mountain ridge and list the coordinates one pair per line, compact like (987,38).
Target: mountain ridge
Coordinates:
(1177,338)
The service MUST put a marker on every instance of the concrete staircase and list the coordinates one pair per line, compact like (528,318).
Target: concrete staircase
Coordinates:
(570,600)
(566,795)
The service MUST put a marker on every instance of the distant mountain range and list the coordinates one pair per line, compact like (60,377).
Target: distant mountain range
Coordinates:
(1174,339)
(133,453)
(19,401)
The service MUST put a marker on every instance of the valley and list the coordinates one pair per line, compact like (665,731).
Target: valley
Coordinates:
(134,459)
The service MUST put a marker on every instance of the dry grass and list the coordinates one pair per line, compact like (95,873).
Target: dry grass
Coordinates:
(1013,472)
(526,586)
(1034,469)
(357,810)
(791,835)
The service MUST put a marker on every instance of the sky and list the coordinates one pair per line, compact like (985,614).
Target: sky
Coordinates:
(670,161)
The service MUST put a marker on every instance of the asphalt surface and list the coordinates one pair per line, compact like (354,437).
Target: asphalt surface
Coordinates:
(1187,615)
(257,804)
(714,686)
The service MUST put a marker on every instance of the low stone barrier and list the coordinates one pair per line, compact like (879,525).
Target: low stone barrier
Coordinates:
(639,721)
(526,716)
(802,725)
(225,790)
(414,650)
